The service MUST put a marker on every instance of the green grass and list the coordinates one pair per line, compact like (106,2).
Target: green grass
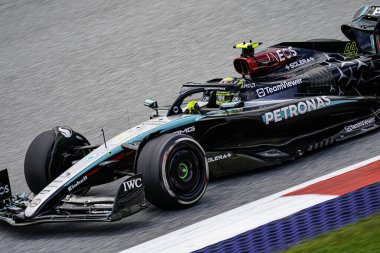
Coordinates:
(361,237)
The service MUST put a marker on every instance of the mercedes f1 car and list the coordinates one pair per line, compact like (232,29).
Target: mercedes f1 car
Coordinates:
(291,98)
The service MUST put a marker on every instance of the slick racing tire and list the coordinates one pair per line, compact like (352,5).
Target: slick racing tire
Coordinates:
(174,171)
(41,166)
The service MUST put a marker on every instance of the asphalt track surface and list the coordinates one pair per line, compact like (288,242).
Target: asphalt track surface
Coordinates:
(90,64)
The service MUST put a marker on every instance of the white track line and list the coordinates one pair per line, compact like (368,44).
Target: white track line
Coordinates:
(241,219)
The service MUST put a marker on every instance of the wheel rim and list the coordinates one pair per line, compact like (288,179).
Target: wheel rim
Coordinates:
(183,171)
(186,172)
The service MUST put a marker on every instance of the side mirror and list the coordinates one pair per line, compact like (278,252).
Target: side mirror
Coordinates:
(231,105)
(152,104)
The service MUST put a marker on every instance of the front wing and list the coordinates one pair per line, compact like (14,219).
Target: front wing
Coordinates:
(129,199)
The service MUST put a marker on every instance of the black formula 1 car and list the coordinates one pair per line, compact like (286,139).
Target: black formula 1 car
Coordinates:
(292,98)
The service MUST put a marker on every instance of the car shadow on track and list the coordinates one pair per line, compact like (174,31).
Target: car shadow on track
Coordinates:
(70,230)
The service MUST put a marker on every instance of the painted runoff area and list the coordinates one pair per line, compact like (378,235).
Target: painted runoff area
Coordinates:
(277,206)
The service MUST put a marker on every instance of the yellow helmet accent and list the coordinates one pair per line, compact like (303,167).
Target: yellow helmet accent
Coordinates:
(233,80)
(240,82)
(191,106)
(223,97)
(227,80)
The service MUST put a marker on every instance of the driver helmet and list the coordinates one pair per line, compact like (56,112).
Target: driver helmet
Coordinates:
(233,80)
(192,107)
(228,96)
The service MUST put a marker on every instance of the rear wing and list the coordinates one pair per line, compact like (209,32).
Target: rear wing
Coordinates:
(367,12)
(364,29)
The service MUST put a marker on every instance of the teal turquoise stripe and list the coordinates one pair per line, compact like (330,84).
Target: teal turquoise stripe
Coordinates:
(364,11)
(166,127)
(337,102)
(169,126)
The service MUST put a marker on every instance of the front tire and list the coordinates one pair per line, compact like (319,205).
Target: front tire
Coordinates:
(175,171)
(49,155)
(37,161)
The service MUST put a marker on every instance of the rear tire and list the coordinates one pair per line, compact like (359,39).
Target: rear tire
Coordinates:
(174,171)
(41,166)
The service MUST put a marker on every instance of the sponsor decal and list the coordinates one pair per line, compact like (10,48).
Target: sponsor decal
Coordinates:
(35,202)
(186,131)
(215,88)
(295,109)
(153,122)
(92,156)
(282,54)
(298,63)
(248,86)
(77,183)
(103,205)
(261,92)
(100,212)
(218,157)
(132,184)
(376,12)
(266,91)
(351,50)
(5,187)
(66,132)
(4,190)
(205,98)
(360,124)
(149,122)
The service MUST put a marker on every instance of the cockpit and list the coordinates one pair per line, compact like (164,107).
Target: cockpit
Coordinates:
(204,98)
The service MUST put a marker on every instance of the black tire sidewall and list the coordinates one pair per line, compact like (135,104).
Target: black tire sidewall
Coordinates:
(151,165)
(37,161)
(41,166)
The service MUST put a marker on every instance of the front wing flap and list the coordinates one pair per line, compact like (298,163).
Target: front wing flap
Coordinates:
(130,198)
